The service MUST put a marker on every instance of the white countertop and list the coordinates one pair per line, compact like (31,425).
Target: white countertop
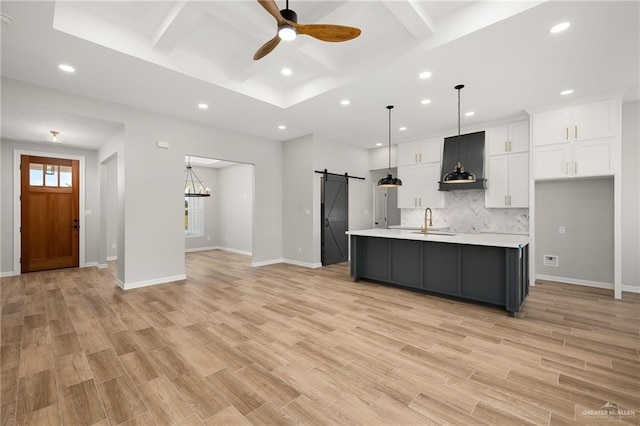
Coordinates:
(493,240)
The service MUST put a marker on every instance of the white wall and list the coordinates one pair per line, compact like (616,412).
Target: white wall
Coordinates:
(153,180)
(631,196)
(92,201)
(235,207)
(585,208)
(298,205)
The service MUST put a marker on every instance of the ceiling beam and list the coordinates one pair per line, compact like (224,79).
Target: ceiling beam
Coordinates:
(181,18)
(412,17)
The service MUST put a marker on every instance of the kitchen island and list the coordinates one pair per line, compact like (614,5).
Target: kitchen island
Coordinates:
(486,268)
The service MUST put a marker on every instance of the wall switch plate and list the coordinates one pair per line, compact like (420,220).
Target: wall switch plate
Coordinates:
(162,144)
(561,230)
(550,260)
(299,249)
(113,245)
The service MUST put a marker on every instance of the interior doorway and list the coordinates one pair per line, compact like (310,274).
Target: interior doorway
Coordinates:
(385,202)
(49,213)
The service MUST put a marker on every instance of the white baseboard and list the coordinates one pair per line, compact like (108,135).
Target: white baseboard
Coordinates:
(586,283)
(155,281)
(191,250)
(7,274)
(303,264)
(266,262)
(631,288)
(229,249)
(102,266)
(110,258)
(90,265)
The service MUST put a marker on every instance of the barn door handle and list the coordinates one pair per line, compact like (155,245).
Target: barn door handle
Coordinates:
(326,222)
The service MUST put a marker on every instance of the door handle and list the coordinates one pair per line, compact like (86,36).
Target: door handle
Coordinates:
(326,222)
(76,226)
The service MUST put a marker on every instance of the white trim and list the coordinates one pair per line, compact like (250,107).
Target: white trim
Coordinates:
(17,248)
(232,250)
(191,250)
(6,274)
(155,281)
(102,266)
(586,283)
(110,258)
(266,262)
(631,288)
(303,264)
(90,265)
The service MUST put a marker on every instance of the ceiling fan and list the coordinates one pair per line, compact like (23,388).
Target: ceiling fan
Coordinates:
(288,28)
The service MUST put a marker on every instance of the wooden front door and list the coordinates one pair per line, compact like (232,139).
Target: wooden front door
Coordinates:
(50,225)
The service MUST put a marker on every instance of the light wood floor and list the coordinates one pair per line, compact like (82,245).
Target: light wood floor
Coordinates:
(288,345)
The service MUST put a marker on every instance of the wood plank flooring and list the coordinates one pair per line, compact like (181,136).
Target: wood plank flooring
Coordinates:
(287,345)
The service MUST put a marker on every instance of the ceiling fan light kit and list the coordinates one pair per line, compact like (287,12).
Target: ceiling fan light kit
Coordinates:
(288,29)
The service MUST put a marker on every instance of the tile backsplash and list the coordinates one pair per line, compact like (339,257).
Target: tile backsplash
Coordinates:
(465,213)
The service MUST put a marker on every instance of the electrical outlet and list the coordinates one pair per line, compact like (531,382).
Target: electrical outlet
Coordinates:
(299,249)
(550,260)
(561,230)
(113,245)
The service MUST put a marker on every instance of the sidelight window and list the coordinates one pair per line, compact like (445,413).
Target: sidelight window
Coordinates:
(193,216)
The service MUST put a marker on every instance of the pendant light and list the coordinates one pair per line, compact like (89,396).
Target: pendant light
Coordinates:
(193,186)
(389,181)
(459,174)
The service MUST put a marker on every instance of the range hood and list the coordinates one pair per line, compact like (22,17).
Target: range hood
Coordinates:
(469,150)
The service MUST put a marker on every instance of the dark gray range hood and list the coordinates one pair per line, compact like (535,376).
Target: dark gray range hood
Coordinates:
(471,151)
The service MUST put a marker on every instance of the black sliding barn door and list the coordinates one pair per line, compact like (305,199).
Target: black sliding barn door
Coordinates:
(335,217)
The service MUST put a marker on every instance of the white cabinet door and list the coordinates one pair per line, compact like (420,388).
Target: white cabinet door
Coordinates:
(550,127)
(408,153)
(592,158)
(497,139)
(519,137)
(592,121)
(431,150)
(407,196)
(428,194)
(497,181)
(519,180)
(551,161)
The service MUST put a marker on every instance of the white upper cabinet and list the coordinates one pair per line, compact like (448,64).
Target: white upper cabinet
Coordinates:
(507,166)
(419,188)
(576,141)
(419,152)
(582,122)
(513,137)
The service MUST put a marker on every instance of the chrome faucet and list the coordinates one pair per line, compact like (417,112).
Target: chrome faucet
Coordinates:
(427,220)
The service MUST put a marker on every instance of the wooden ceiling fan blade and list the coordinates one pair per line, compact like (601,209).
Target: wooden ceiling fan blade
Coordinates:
(271,7)
(266,48)
(328,32)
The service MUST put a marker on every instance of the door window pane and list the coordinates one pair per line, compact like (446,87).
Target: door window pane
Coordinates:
(51,175)
(65,176)
(35,174)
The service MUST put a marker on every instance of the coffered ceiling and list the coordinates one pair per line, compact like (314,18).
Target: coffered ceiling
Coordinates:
(168,57)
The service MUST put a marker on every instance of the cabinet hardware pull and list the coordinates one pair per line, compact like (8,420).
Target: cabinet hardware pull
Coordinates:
(575,168)
(415,158)
(567,133)
(505,147)
(566,168)
(506,201)
(421,157)
(415,202)
(509,146)
(509,199)
(576,132)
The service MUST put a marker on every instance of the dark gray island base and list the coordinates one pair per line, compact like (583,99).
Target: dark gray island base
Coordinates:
(495,275)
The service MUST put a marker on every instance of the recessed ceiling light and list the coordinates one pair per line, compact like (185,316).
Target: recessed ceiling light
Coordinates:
(286,71)
(402,129)
(345,102)
(425,101)
(203,106)
(282,127)
(425,74)
(379,144)
(566,92)
(559,27)
(66,68)
(469,114)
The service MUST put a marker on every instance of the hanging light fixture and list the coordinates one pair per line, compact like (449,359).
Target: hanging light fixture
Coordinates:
(390,181)
(193,186)
(459,174)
